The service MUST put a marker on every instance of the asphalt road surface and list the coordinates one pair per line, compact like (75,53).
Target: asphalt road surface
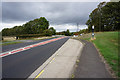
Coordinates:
(24,63)
(91,65)
(15,46)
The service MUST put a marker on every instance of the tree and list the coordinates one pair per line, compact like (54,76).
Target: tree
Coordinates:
(52,30)
(111,16)
(67,33)
(47,32)
(105,17)
(83,31)
(36,26)
(6,32)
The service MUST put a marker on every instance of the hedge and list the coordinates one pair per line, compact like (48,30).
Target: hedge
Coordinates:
(29,35)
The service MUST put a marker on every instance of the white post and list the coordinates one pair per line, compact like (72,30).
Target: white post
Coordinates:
(93,31)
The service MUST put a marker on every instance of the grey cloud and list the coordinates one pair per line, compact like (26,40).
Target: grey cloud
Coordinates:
(55,12)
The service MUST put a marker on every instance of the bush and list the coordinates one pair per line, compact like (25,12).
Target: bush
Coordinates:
(29,36)
(47,32)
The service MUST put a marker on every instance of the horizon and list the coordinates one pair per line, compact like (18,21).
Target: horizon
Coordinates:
(61,15)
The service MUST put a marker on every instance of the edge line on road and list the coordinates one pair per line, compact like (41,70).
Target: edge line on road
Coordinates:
(28,47)
(52,59)
(39,74)
(36,74)
(43,69)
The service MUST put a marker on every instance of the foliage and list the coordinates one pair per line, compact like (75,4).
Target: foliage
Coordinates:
(36,26)
(107,43)
(105,17)
(66,33)
(29,35)
(53,31)
(80,32)
(47,32)
(83,31)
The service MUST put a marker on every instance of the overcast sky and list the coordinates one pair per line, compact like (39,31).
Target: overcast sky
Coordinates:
(61,15)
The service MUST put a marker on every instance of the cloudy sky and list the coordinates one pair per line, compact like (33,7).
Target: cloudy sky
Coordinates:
(61,15)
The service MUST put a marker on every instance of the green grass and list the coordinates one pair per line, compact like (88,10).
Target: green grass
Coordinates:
(10,43)
(107,44)
(84,37)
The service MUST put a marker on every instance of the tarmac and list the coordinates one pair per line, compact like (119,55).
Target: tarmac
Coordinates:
(91,64)
(62,63)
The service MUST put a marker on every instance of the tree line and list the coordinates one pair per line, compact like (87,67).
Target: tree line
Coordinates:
(36,26)
(105,17)
(66,33)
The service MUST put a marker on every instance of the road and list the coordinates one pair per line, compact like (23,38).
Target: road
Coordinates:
(24,63)
(91,65)
(25,43)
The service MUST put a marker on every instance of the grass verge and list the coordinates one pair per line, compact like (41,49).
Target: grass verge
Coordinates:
(10,43)
(107,44)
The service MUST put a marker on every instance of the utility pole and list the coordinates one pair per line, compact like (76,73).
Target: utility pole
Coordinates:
(77,27)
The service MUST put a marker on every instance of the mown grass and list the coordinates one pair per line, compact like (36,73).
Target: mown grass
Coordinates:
(107,44)
(10,43)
